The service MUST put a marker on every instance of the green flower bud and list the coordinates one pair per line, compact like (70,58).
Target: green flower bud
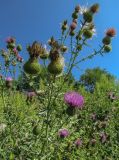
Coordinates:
(19,47)
(79,47)
(32,66)
(88,16)
(56,67)
(107,48)
(74,15)
(106,40)
(11,46)
(87,34)
(72,33)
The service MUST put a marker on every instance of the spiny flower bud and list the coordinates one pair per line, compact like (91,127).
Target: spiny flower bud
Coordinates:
(79,47)
(87,34)
(77,9)
(74,15)
(107,48)
(88,17)
(73,26)
(11,46)
(10,40)
(19,47)
(32,66)
(56,66)
(94,8)
(111,32)
(64,25)
(72,33)
(63,48)
(106,40)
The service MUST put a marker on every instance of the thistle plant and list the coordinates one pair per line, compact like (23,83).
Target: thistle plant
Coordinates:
(63,119)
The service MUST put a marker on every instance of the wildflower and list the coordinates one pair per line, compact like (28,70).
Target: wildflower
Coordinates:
(73,26)
(10,40)
(78,142)
(31,94)
(63,133)
(107,48)
(111,32)
(94,8)
(87,16)
(75,15)
(77,8)
(103,137)
(19,48)
(87,34)
(19,58)
(74,99)
(106,40)
(15,51)
(8,82)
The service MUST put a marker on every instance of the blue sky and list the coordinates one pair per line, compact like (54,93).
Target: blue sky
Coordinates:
(30,20)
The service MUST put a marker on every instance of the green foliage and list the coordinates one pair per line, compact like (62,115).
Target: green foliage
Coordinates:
(92,76)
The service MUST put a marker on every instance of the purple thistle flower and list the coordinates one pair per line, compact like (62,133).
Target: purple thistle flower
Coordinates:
(74,99)
(63,133)
(8,79)
(31,94)
(78,142)
(19,58)
(10,40)
(15,51)
(8,82)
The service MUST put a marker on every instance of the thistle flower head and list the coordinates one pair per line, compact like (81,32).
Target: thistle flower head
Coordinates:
(8,79)
(74,99)
(19,58)
(15,51)
(31,94)
(35,50)
(73,26)
(111,32)
(78,142)
(94,8)
(63,133)
(10,40)
(77,8)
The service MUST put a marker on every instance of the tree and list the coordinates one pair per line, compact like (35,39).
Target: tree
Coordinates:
(92,76)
